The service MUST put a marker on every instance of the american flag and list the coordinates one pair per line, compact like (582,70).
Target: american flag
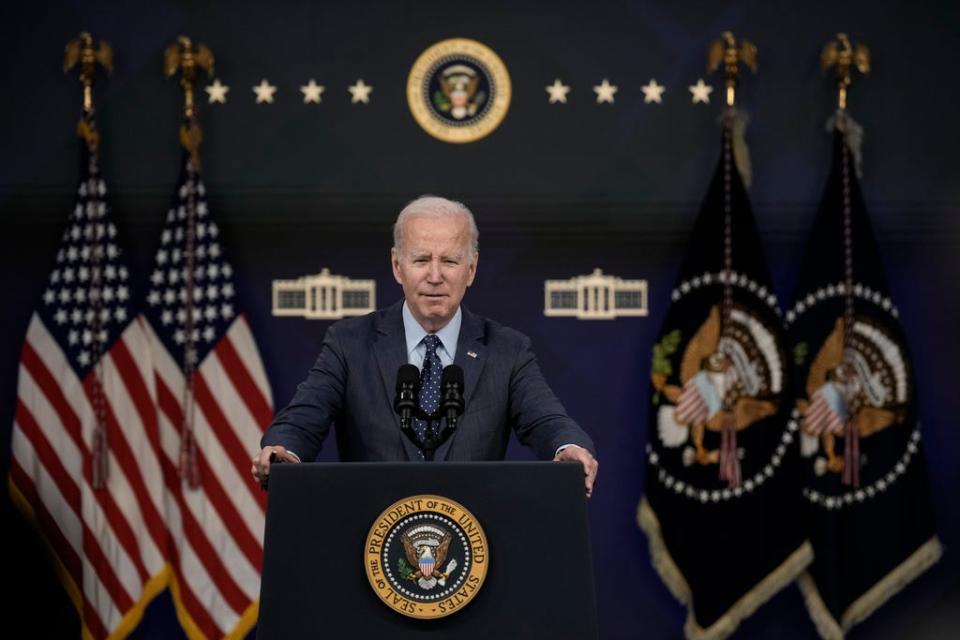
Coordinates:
(85,462)
(214,403)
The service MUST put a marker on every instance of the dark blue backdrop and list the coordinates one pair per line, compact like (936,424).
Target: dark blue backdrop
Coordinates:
(558,190)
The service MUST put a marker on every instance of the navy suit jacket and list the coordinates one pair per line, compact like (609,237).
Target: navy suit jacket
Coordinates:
(353,384)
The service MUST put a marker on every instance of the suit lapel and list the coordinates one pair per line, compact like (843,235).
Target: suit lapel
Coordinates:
(391,353)
(471,356)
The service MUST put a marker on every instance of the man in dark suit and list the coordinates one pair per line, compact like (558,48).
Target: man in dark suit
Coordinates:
(352,384)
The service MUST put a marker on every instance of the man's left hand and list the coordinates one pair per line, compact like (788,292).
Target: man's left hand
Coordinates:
(584,457)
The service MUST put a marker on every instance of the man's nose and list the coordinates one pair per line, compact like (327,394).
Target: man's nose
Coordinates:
(434,273)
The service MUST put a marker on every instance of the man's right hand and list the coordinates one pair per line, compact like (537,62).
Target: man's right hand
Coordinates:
(261,462)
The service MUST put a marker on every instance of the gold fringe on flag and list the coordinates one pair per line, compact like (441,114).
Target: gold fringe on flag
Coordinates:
(743,608)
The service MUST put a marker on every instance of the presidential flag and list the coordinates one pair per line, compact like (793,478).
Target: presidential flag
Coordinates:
(865,479)
(721,502)
(85,464)
(214,403)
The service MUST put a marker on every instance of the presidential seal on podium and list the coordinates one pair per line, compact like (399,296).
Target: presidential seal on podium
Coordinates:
(426,556)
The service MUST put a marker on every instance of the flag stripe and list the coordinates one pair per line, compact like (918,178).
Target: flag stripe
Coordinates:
(45,381)
(235,529)
(65,552)
(236,508)
(119,492)
(236,415)
(46,417)
(234,449)
(48,458)
(53,528)
(179,539)
(228,475)
(122,459)
(194,532)
(242,380)
(246,349)
(53,466)
(208,557)
(190,572)
(254,555)
(119,525)
(147,461)
(128,565)
(218,500)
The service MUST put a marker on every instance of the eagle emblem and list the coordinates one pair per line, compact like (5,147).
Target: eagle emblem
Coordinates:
(459,93)
(726,381)
(426,547)
(863,382)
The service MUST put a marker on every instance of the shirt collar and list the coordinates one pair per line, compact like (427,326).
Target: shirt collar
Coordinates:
(449,334)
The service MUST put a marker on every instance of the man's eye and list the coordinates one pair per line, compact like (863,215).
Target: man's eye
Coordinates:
(451,262)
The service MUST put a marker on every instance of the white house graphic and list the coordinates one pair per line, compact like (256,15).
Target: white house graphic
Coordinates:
(324,297)
(595,297)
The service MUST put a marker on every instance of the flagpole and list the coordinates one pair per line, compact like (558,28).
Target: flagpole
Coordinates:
(729,54)
(81,54)
(182,56)
(840,53)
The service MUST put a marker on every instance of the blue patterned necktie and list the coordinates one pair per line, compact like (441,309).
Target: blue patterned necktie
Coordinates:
(429,383)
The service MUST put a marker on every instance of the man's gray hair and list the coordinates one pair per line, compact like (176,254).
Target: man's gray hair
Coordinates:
(435,207)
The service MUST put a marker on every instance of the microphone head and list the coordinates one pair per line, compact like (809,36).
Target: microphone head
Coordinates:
(452,375)
(408,376)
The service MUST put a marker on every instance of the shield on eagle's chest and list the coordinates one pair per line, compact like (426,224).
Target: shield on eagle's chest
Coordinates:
(426,566)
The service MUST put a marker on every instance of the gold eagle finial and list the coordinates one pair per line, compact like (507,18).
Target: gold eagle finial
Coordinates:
(842,54)
(727,52)
(182,55)
(82,52)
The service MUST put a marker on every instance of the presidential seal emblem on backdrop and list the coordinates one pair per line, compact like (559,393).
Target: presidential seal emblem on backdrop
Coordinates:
(458,90)
(426,556)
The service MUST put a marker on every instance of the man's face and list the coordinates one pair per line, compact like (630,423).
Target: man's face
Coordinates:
(434,267)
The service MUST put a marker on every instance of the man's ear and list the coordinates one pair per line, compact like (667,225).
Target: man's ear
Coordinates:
(473,268)
(395,263)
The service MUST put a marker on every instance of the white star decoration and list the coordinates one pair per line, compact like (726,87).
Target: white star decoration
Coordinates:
(311,92)
(558,92)
(701,92)
(265,92)
(360,92)
(653,92)
(605,91)
(217,92)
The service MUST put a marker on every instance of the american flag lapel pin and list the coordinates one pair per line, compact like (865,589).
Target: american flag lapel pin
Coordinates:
(472,354)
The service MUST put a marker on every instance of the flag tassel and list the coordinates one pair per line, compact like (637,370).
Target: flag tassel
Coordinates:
(851,456)
(99,449)
(100,467)
(729,463)
(189,470)
(188,466)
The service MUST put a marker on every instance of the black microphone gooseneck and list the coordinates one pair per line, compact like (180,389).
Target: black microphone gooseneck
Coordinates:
(451,396)
(405,402)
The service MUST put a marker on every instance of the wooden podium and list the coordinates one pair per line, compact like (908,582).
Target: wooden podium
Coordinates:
(539,574)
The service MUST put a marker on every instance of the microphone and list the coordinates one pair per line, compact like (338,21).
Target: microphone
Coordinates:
(451,394)
(405,402)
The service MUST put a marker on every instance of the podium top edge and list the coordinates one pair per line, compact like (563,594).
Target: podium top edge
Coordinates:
(512,464)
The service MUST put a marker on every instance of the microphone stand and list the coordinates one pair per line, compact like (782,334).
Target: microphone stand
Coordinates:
(434,436)
(451,407)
